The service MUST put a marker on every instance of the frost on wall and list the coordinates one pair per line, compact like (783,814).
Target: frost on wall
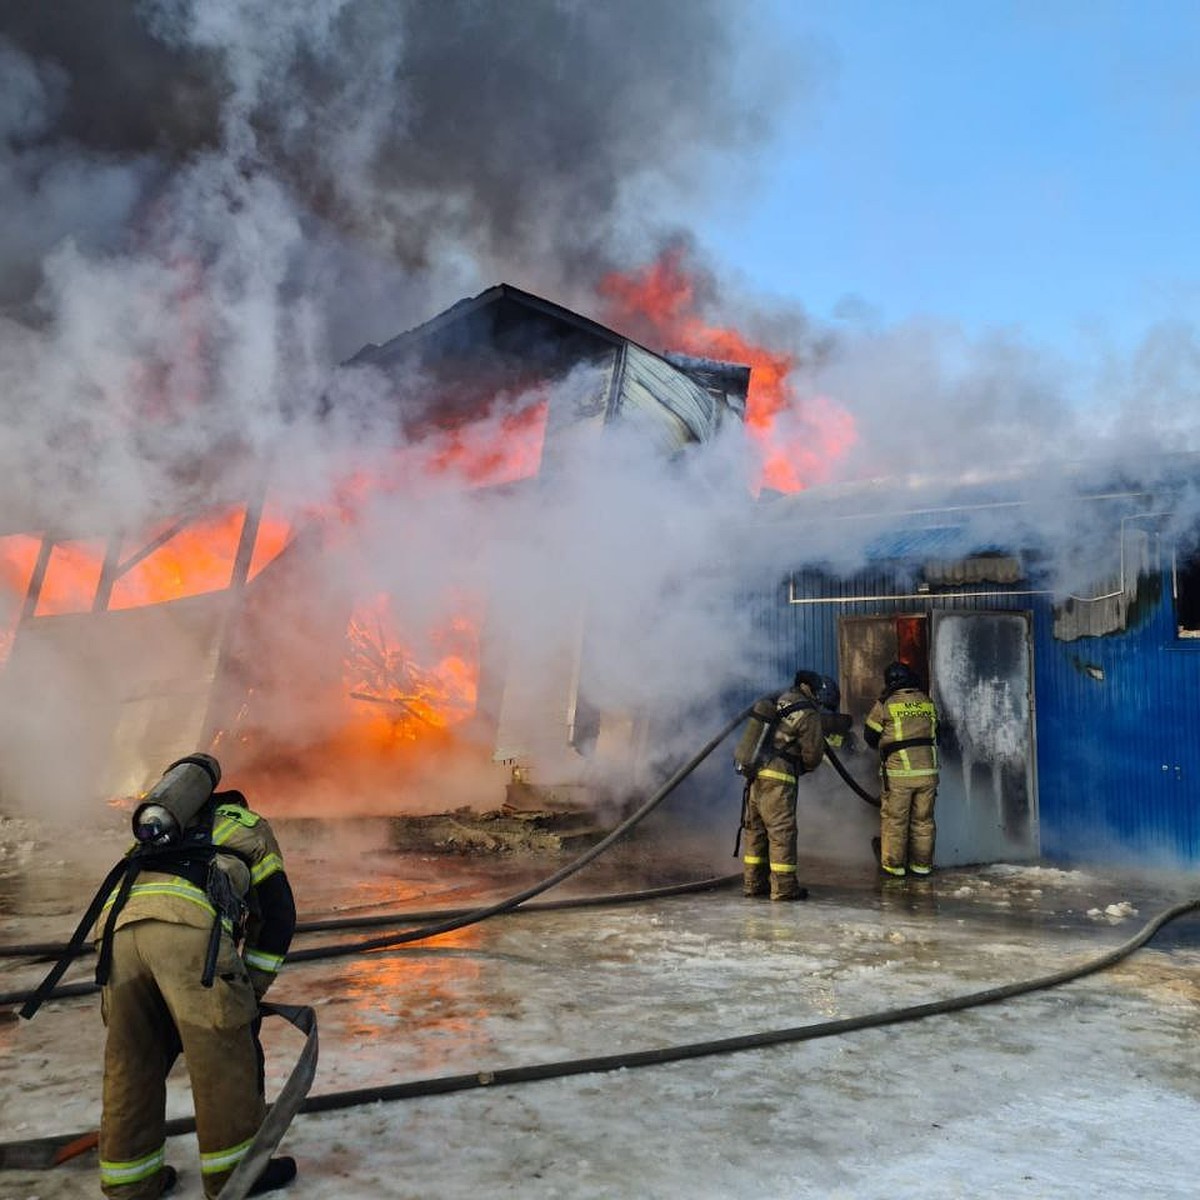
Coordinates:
(981,668)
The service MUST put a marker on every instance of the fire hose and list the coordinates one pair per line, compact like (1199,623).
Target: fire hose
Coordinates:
(45,1152)
(39,951)
(293,1095)
(293,1098)
(849,779)
(475,915)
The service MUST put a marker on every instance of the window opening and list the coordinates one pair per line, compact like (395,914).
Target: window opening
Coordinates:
(1187,594)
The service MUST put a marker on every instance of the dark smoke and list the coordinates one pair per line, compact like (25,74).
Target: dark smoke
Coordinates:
(422,133)
(211,203)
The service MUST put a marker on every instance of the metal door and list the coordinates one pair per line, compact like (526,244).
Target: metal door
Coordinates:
(982,682)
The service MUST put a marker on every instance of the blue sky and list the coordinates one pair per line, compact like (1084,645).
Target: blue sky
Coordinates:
(1031,166)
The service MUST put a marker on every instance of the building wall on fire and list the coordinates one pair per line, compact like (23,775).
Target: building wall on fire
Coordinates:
(1112,703)
(284,677)
(534,686)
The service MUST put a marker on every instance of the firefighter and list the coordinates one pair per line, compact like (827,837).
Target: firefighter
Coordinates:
(795,743)
(902,725)
(174,979)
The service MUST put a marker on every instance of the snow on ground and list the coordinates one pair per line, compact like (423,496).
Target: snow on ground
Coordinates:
(1084,1089)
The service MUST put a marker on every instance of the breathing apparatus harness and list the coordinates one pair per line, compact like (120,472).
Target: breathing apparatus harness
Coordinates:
(757,745)
(173,827)
(886,751)
(765,748)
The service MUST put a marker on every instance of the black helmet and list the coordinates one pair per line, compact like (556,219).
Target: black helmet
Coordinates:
(898,675)
(808,679)
(829,695)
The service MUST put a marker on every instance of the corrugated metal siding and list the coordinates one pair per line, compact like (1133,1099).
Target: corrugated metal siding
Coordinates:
(1116,717)
(653,388)
(915,542)
(1118,752)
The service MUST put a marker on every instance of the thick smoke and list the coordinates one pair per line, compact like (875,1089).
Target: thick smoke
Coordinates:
(213,203)
(434,144)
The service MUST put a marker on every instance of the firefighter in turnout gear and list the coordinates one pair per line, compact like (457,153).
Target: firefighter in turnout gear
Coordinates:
(794,743)
(902,725)
(188,943)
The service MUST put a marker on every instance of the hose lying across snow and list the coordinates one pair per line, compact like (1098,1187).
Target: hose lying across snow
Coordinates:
(475,915)
(752,1041)
(45,1152)
(54,950)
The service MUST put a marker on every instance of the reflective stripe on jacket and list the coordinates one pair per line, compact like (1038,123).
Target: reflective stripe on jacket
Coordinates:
(249,855)
(901,716)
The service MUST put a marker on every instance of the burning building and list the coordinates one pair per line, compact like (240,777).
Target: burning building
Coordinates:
(280,636)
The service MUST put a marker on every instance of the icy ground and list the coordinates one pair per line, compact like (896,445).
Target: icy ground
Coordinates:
(1086,1090)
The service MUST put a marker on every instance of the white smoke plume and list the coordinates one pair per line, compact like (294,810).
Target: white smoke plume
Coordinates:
(213,202)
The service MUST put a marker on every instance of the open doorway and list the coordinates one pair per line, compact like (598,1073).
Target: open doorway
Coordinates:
(977,666)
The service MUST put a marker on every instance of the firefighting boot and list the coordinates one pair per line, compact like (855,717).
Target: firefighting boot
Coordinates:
(888,872)
(785,886)
(168,1178)
(754,881)
(278,1172)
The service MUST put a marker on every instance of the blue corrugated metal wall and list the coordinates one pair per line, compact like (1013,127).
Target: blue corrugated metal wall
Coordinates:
(1117,718)
(1118,751)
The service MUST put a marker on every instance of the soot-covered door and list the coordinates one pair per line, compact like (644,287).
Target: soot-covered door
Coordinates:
(981,677)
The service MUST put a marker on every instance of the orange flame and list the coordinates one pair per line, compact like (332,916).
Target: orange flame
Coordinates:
(274,532)
(195,559)
(18,557)
(397,697)
(799,441)
(72,577)
(399,693)
(487,452)
(490,453)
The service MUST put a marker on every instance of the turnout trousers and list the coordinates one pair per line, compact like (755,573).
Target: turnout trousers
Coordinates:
(906,826)
(154,1005)
(769,840)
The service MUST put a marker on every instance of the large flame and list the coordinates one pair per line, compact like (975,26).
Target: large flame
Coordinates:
(398,694)
(169,561)
(190,561)
(501,449)
(400,687)
(799,440)
(403,686)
